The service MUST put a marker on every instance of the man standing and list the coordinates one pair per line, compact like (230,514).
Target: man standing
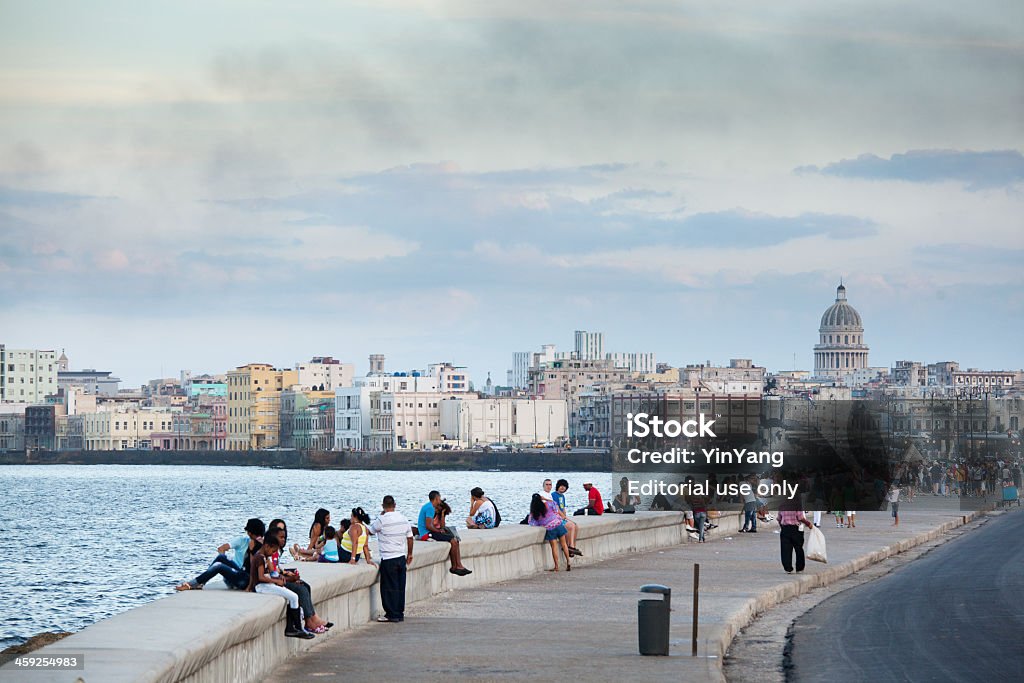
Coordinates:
(750,506)
(394,540)
(427,528)
(791,540)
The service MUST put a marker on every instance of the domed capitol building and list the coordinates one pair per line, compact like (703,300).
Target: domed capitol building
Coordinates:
(840,349)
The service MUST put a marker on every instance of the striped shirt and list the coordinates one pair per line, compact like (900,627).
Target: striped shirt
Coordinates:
(792,517)
(391,529)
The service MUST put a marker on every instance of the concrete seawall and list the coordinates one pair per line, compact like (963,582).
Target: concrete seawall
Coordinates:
(565,461)
(212,636)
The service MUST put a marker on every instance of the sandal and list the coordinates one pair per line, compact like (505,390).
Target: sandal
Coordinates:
(188,587)
(322,628)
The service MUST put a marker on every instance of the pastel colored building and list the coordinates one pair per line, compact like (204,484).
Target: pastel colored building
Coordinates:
(254,405)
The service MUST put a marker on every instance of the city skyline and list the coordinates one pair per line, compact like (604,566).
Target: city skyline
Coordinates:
(456,181)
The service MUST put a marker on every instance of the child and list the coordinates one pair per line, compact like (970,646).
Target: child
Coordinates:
(894,501)
(266,577)
(330,548)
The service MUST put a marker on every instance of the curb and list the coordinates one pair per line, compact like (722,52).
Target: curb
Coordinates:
(779,594)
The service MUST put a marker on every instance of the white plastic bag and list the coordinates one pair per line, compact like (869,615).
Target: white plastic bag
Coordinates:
(815,546)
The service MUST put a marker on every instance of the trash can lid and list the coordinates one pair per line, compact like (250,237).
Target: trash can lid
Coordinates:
(655,588)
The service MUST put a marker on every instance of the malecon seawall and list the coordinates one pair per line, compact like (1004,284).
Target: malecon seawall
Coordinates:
(566,461)
(213,635)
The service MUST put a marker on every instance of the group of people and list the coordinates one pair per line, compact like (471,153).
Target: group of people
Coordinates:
(255,566)
(973,479)
(328,544)
(253,562)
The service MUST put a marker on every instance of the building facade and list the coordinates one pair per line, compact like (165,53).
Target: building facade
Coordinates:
(254,405)
(634,362)
(741,377)
(984,380)
(589,345)
(451,379)
(12,426)
(325,374)
(41,427)
(27,375)
(98,382)
(480,421)
(124,428)
(305,422)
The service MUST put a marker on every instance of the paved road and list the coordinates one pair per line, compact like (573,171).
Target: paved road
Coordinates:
(956,614)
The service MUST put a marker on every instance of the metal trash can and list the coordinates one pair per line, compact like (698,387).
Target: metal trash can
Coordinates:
(653,620)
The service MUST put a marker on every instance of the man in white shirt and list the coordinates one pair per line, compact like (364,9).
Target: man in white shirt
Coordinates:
(394,542)
(545,491)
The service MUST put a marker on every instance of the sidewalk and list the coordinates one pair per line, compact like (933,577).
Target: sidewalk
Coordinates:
(583,623)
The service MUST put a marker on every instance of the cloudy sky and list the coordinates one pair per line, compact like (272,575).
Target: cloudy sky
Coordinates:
(204,184)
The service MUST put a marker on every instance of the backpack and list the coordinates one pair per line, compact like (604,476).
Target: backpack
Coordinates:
(497,515)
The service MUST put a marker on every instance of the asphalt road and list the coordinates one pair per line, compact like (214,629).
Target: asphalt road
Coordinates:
(956,614)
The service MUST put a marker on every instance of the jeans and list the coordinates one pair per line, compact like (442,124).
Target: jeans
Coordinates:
(392,587)
(301,589)
(750,517)
(274,589)
(792,540)
(698,521)
(234,576)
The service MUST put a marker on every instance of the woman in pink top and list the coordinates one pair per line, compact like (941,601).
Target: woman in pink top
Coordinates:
(544,513)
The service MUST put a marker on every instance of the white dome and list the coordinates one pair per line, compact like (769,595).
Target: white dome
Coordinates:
(841,315)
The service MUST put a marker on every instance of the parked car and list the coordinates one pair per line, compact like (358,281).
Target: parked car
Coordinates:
(499,448)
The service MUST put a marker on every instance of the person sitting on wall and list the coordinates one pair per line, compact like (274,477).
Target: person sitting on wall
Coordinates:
(294,583)
(595,505)
(231,569)
(311,553)
(623,502)
(354,540)
(329,553)
(483,513)
(266,577)
(571,527)
(428,529)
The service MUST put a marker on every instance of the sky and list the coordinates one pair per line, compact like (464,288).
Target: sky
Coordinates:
(199,185)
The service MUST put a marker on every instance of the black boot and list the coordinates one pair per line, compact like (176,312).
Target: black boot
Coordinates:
(293,625)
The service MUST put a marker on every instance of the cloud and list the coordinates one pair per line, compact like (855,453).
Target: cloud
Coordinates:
(978,170)
(10,196)
(963,256)
(746,229)
(542,207)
